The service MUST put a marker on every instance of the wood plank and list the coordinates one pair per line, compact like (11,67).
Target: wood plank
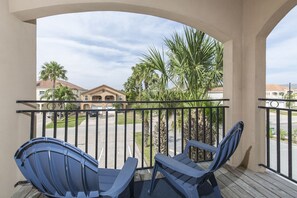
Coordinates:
(225,191)
(284,181)
(238,180)
(230,184)
(279,184)
(278,191)
(254,184)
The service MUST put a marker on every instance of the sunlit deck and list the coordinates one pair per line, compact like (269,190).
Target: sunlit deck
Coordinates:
(237,182)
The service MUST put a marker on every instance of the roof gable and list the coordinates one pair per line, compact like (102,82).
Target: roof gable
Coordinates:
(101,88)
(48,84)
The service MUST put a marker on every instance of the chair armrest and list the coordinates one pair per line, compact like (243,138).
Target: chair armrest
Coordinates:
(178,166)
(123,179)
(200,145)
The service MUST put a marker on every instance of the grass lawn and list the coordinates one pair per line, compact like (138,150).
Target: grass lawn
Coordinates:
(71,122)
(138,139)
(121,117)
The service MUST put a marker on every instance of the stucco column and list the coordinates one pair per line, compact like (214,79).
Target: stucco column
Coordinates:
(233,90)
(244,83)
(17,80)
(253,86)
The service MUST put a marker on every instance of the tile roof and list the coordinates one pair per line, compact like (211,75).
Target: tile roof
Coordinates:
(48,84)
(274,87)
(269,87)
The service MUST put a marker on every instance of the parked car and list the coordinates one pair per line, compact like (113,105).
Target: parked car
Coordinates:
(95,110)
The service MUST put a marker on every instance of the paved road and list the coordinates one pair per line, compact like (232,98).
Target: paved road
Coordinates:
(284,157)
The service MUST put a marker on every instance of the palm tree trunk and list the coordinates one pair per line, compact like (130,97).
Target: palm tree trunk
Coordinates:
(163,139)
(146,131)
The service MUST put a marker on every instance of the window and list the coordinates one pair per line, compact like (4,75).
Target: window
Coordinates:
(86,97)
(109,98)
(96,98)
(41,92)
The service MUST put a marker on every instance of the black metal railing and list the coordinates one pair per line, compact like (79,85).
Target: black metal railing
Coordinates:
(281,137)
(139,130)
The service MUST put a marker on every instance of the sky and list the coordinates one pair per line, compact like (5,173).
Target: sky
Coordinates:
(101,47)
(281,52)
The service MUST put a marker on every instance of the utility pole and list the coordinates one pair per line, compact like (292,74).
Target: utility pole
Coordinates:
(290,95)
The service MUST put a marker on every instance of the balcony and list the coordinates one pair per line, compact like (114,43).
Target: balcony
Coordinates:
(234,183)
(147,127)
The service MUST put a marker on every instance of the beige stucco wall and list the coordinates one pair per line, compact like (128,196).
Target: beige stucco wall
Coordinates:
(98,92)
(242,25)
(259,18)
(17,80)
(213,17)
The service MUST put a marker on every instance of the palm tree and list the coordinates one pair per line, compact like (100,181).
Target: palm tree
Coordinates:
(52,71)
(193,64)
(137,88)
(62,93)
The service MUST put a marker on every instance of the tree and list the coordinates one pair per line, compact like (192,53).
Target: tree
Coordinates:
(290,96)
(195,63)
(191,65)
(52,71)
(62,93)
(137,88)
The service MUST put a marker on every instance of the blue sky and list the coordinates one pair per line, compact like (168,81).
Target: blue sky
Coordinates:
(101,47)
(281,53)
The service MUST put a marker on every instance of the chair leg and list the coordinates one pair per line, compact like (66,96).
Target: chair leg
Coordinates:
(153,181)
(131,188)
(192,193)
(215,186)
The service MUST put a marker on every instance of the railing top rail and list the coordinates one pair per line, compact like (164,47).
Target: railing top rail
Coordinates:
(130,102)
(277,99)
(277,108)
(127,109)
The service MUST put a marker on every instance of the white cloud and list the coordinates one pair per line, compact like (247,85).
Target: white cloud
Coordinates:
(99,47)
(281,59)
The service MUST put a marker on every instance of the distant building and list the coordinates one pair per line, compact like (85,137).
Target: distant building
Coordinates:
(216,93)
(42,86)
(102,93)
(276,91)
(272,91)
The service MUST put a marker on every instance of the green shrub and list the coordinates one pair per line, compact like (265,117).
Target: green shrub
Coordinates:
(283,134)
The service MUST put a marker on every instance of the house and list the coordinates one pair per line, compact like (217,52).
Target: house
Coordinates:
(216,93)
(43,85)
(273,91)
(276,91)
(101,94)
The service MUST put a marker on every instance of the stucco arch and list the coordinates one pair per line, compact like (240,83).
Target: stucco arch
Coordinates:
(193,13)
(276,17)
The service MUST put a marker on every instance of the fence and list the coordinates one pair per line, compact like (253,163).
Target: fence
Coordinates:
(139,130)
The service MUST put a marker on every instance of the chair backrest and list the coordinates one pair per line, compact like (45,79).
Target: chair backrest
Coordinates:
(58,169)
(227,146)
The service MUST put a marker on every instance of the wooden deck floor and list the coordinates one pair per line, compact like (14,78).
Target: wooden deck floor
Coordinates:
(234,183)
(240,182)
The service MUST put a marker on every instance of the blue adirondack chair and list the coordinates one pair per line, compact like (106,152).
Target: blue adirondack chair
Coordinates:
(185,175)
(59,169)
